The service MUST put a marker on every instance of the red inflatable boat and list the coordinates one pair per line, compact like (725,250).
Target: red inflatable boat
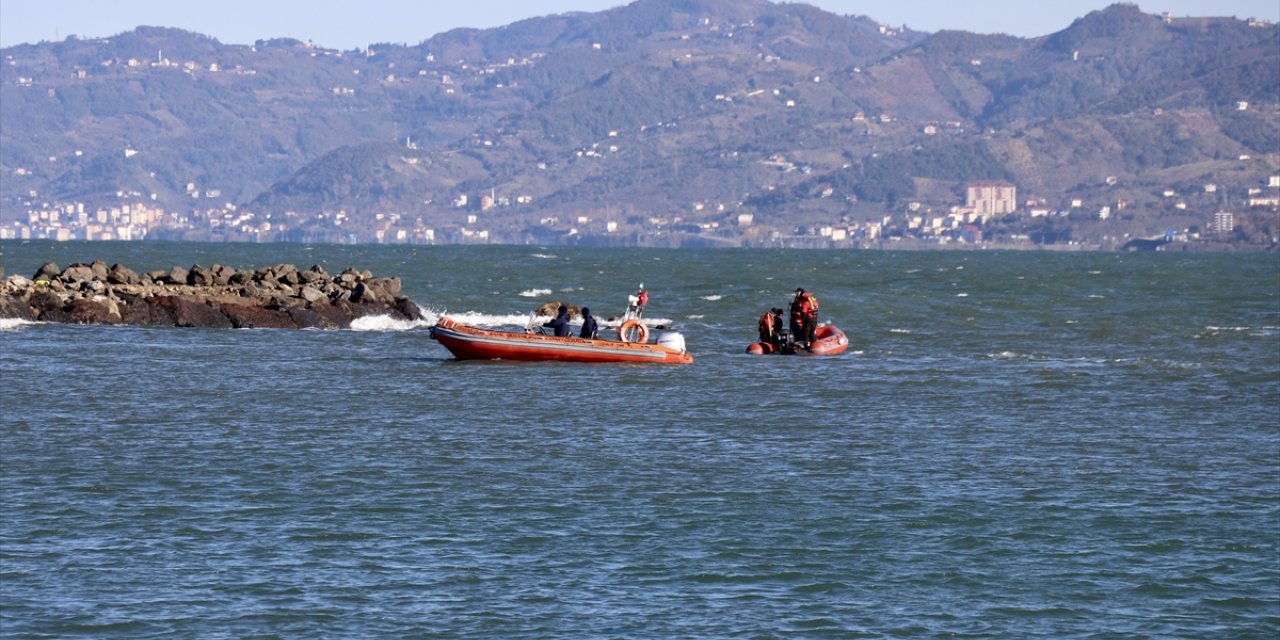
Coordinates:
(828,340)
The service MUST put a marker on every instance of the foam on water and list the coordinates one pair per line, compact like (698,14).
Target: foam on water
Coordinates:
(14,324)
(388,323)
(534,293)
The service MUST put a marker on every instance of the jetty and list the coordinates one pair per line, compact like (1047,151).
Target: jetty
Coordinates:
(280,296)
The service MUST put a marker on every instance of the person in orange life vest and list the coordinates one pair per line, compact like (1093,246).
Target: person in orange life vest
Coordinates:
(770,326)
(804,316)
(642,299)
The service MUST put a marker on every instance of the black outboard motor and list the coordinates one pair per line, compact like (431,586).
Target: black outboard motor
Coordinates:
(784,342)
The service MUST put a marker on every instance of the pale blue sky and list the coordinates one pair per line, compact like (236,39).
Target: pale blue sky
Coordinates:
(347,24)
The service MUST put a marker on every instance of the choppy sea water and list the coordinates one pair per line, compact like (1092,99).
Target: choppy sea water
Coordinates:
(1017,445)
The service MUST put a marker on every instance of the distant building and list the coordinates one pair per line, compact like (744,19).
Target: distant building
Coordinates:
(992,197)
(1224,222)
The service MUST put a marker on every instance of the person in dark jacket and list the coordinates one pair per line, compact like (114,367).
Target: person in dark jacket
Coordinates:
(560,323)
(589,326)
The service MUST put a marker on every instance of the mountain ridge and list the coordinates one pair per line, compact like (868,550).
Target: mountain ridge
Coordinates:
(701,111)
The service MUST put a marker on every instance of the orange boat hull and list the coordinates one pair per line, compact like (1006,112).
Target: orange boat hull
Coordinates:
(472,343)
(828,340)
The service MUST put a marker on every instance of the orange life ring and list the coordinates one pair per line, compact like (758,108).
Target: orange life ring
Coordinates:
(625,331)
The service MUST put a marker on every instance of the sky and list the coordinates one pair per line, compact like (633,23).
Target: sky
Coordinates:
(348,24)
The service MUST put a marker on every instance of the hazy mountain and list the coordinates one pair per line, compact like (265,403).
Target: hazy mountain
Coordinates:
(696,109)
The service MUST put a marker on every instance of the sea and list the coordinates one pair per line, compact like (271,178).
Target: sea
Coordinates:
(1018,444)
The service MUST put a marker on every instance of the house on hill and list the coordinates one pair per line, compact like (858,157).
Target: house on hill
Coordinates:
(992,197)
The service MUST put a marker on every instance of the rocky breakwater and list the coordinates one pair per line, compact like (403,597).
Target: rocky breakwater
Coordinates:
(281,296)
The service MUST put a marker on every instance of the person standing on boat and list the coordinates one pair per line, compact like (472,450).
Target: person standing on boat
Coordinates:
(804,316)
(589,326)
(642,299)
(636,303)
(560,323)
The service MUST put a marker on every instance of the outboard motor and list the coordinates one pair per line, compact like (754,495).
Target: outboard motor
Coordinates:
(671,340)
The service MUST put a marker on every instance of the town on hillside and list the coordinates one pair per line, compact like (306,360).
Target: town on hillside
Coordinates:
(729,125)
(988,205)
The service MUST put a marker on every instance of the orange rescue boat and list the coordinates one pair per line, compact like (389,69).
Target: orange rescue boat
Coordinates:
(473,343)
(828,340)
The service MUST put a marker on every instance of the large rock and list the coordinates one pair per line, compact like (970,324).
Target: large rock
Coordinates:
(135,310)
(92,311)
(120,274)
(190,313)
(77,273)
(551,308)
(408,309)
(329,315)
(222,275)
(15,299)
(176,275)
(312,294)
(200,276)
(47,271)
(372,292)
(243,316)
(315,275)
(45,302)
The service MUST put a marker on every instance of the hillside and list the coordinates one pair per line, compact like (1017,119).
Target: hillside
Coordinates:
(662,121)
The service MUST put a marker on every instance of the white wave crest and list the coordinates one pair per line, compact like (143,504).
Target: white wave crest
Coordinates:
(14,324)
(387,323)
(713,297)
(544,256)
(1007,355)
(534,293)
